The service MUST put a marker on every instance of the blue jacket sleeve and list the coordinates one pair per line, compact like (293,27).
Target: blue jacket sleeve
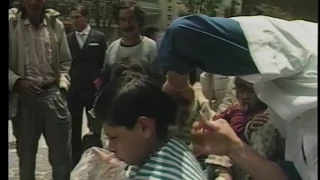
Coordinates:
(213,44)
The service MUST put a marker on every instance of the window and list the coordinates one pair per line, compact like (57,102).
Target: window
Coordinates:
(169,8)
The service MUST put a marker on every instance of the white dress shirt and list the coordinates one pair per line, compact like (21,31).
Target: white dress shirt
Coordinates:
(82,36)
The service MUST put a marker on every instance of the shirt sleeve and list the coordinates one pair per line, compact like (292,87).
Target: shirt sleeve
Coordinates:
(213,44)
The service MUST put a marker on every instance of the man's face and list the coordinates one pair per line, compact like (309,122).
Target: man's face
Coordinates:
(247,97)
(128,24)
(33,7)
(130,145)
(79,21)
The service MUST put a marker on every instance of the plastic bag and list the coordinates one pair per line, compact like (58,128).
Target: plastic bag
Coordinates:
(99,164)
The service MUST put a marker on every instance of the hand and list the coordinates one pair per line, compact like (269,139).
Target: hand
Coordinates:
(182,96)
(109,158)
(216,137)
(257,121)
(26,86)
(98,83)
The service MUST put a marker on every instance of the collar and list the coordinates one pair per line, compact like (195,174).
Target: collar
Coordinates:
(27,22)
(85,31)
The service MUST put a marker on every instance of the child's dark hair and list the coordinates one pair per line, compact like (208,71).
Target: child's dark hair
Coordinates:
(126,64)
(132,95)
(241,84)
(126,4)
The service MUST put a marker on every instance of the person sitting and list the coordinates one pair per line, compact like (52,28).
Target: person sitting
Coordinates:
(249,118)
(136,114)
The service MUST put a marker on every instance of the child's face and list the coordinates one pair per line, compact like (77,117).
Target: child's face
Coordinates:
(246,95)
(130,145)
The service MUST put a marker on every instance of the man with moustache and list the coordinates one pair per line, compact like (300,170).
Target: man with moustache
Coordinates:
(87,48)
(39,61)
(130,18)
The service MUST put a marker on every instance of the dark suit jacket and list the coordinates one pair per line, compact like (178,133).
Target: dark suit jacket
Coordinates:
(86,63)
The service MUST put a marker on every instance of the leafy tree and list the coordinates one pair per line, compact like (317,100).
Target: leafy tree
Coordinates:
(230,11)
(208,7)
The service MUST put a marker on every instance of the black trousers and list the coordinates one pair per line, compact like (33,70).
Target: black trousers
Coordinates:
(76,103)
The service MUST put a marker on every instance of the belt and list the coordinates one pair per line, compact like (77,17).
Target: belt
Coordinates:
(47,86)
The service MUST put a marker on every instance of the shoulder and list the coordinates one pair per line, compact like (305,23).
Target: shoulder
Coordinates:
(115,43)
(149,41)
(97,33)
(70,35)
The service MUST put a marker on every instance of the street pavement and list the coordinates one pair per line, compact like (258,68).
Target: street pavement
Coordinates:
(43,168)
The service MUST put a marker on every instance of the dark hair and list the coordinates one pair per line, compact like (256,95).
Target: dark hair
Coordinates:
(125,4)
(132,95)
(84,10)
(119,67)
(149,31)
(23,10)
(241,84)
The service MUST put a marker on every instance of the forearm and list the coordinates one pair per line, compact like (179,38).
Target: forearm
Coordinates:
(13,77)
(257,166)
(65,61)
(178,81)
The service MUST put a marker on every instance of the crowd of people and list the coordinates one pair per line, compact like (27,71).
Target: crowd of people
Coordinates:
(256,117)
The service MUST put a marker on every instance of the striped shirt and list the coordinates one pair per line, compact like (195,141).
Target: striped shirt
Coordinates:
(174,161)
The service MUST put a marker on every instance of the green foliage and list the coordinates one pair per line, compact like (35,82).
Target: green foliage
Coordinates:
(208,7)
(269,10)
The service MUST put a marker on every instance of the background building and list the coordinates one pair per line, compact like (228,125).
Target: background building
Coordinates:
(159,13)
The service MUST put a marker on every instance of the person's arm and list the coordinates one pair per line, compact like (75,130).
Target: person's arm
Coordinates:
(13,78)
(64,57)
(257,166)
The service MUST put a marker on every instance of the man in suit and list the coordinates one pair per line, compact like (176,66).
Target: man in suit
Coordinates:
(87,48)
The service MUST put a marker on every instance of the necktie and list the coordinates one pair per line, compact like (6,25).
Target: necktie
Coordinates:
(82,39)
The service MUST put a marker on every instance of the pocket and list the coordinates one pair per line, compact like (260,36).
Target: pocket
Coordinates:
(58,105)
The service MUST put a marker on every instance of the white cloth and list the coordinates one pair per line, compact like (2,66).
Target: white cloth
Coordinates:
(285,52)
(83,36)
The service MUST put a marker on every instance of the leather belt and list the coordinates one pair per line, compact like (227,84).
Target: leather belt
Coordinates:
(47,86)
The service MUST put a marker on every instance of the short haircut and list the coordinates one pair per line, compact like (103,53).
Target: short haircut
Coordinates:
(130,94)
(126,4)
(84,10)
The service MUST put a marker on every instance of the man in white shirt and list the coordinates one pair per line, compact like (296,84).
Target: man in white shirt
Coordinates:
(130,17)
(88,48)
